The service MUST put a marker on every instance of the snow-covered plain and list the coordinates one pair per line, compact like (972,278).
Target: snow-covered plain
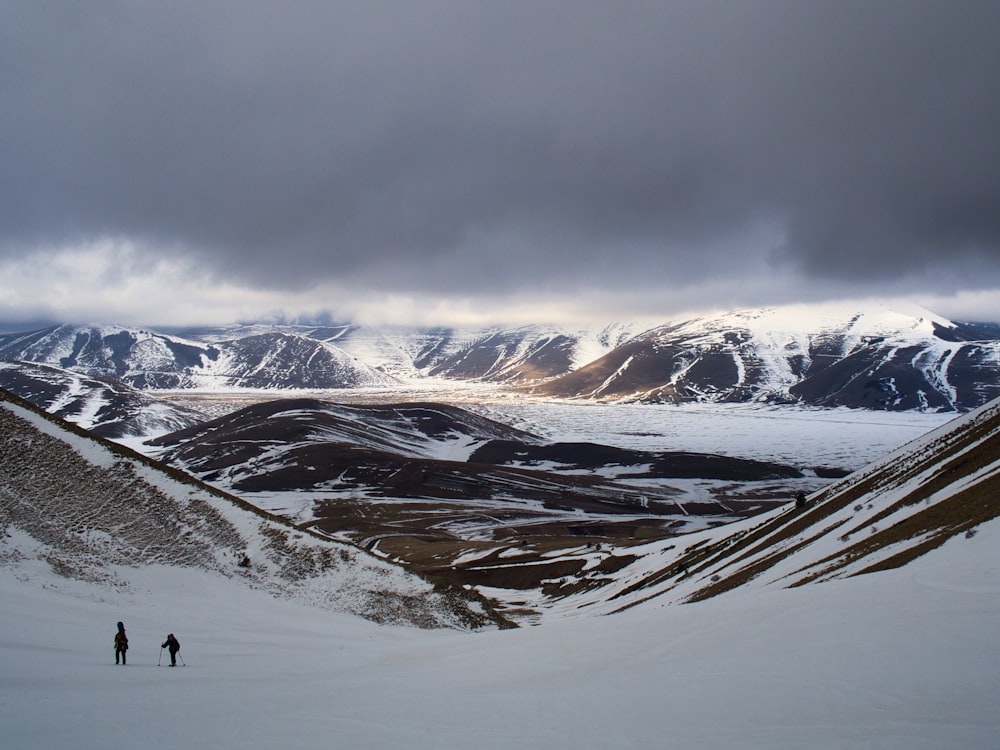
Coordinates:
(840,437)
(902,659)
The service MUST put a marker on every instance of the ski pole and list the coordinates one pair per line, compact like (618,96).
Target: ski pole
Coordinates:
(183,663)
(161,656)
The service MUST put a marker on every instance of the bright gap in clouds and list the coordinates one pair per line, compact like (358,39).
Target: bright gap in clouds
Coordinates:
(114,280)
(111,281)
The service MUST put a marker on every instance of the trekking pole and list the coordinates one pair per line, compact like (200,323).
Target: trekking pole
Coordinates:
(161,656)
(183,663)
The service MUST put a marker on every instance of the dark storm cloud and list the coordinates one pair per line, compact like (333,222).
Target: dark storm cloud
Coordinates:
(484,145)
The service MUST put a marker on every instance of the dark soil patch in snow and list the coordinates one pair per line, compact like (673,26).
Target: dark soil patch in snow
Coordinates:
(633,464)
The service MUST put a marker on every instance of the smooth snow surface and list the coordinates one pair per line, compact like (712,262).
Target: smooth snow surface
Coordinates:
(802,437)
(904,659)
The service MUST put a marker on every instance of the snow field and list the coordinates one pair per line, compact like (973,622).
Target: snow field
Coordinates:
(846,438)
(904,659)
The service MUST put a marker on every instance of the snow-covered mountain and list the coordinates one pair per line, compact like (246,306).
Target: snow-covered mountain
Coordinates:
(146,359)
(880,358)
(528,353)
(106,406)
(329,356)
(875,356)
(492,353)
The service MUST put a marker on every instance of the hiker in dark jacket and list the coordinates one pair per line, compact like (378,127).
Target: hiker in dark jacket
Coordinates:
(121,643)
(173,645)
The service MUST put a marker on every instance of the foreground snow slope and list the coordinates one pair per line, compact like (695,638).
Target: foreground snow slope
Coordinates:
(902,659)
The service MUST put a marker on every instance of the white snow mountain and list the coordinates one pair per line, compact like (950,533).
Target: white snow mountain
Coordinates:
(876,357)
(106,406)
(151,360)
(881,357)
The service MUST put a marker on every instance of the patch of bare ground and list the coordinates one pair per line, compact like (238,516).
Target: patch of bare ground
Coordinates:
(595,577)
(515,547)
(521,564)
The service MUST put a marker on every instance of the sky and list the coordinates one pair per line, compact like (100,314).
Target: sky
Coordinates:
(443,161)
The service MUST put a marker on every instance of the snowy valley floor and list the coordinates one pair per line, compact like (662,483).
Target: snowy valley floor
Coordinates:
(903,659)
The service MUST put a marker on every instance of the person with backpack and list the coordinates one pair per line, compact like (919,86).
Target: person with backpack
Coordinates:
(121,643)
(172,645)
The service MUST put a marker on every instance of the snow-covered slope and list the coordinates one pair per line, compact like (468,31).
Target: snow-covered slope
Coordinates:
(944,485)
(414,430)
(139,357)
(492,353)
(105,406)
(281,360)
(901,660)
(530,353)
(144,359)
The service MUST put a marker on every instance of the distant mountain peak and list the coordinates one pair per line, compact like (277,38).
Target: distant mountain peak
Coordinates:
(877,356)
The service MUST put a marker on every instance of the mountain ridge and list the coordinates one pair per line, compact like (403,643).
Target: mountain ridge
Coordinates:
(884,357)
(821,356)
(105,406)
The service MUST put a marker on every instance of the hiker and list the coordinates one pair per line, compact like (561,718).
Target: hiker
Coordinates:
(121,643)
(800,499)
(173,645)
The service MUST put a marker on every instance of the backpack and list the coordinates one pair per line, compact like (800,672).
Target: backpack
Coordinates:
(121,642)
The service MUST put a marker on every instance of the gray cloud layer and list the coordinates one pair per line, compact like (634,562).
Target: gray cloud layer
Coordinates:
(500,146)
